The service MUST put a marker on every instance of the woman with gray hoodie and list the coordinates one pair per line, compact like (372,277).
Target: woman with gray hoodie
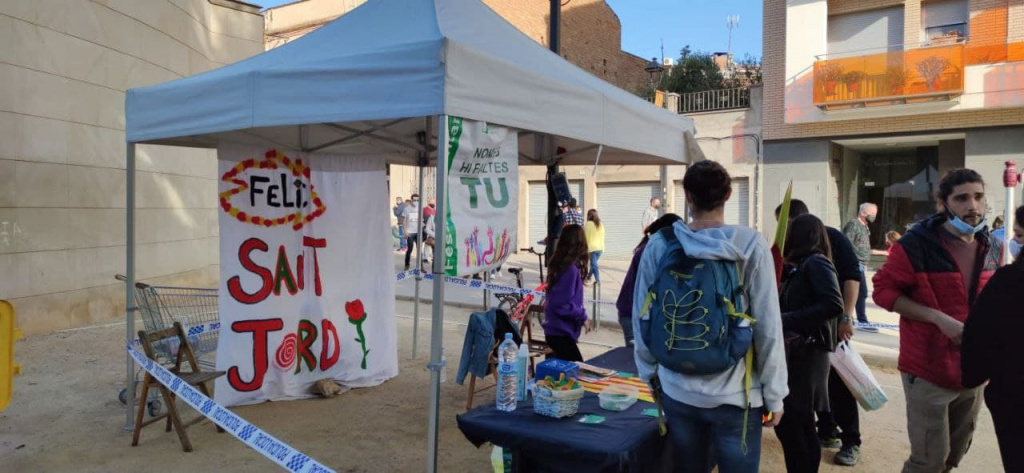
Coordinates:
(716,410)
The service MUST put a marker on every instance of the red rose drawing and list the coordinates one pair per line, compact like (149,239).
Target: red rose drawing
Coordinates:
(355,310)
(356,316)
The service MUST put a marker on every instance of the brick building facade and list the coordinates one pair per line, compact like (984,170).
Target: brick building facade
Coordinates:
(591,32)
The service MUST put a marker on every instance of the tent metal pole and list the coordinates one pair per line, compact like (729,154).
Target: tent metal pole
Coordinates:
(437,319)
(129,285)
(487,293)
(419,266)
(663,172)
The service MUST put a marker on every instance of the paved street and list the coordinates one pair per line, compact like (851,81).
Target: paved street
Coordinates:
(364,430)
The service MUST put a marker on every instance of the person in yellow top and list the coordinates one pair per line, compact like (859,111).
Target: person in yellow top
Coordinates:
(595,242)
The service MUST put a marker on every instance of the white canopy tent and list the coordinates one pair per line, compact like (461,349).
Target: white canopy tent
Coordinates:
(379,81)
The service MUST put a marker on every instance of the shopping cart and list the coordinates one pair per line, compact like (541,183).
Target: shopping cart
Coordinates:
(194,308)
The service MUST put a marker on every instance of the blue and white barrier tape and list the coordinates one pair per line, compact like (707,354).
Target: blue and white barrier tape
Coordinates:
(264,443)
(478,285)
(874,325)
(193,331)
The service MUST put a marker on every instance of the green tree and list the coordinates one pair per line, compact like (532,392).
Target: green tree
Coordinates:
(747,72)
(693,72)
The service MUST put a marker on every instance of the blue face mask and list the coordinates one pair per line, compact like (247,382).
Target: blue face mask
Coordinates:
(963,227)
(1015,248)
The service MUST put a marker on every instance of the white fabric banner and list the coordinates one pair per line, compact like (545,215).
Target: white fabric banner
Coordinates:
(482,196)
(306,287)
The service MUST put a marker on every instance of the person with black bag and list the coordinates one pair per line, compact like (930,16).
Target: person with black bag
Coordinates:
(839,426)
(811,304)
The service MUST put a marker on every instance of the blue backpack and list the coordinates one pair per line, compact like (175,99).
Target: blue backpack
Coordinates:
(692,319)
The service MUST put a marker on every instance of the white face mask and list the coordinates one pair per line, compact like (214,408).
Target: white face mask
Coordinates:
(1015,248)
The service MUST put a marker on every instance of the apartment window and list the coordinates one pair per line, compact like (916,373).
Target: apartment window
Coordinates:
(869,32)
(944,21)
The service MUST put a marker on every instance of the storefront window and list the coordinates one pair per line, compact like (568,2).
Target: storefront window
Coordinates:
(902,186)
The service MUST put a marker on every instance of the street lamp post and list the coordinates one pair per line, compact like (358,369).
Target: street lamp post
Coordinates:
(544,145)
(653,68)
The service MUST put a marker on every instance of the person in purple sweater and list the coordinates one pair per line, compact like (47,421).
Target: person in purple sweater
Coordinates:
(624,303)
(564,315)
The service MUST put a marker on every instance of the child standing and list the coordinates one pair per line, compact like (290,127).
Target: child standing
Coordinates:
(564,315)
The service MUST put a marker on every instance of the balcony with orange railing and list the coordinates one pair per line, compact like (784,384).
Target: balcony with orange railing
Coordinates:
(916,75)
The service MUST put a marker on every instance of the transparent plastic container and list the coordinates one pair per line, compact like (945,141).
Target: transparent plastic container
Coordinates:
(618,397)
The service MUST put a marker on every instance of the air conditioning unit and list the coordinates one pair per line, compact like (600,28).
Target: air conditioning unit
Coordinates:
(668,62)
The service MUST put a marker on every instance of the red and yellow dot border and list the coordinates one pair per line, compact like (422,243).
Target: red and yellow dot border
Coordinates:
(272,160)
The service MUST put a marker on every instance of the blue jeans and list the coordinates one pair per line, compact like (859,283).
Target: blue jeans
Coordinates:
(694,431)
(401,237)
(862,297)
(594,270)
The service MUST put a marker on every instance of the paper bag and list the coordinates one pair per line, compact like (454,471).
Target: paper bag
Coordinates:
(851,368)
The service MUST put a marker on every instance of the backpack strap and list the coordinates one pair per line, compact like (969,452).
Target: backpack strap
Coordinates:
(673,244)
(748,365)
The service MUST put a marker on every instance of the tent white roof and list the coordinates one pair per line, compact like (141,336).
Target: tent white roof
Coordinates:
(361,85)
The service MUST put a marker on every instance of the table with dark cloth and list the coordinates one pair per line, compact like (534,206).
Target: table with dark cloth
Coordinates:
(626,441)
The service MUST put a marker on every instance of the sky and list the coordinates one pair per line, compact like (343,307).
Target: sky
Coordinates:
(698,23)
(701,24)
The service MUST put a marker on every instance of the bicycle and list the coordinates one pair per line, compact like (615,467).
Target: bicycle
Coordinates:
(517,304)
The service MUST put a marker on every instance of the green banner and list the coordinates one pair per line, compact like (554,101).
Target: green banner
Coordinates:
(482,206)
(451,255)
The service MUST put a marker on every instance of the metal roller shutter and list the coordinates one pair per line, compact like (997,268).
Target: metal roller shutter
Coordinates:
(869,32)
(539,208)
(936,14)
(945,12)
(737,209)
(620,207)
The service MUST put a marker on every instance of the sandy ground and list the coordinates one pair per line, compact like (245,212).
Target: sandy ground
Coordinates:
(65,417)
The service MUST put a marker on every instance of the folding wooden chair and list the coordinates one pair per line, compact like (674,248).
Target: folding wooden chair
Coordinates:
(194,377)
(502,324)
(492,368)
(538,346)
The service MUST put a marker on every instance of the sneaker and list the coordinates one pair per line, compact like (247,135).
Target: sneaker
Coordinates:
(830,442)
(849,455)
(867,329)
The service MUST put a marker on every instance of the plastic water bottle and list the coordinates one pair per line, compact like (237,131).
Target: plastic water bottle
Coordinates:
(507,352)
(522,361)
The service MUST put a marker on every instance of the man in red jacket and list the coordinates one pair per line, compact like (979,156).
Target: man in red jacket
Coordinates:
(932,277)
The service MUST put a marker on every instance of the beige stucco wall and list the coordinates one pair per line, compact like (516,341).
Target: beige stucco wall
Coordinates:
(65,66)
(734,139)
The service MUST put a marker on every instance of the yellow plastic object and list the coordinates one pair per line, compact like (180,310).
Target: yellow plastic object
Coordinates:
(8,334)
